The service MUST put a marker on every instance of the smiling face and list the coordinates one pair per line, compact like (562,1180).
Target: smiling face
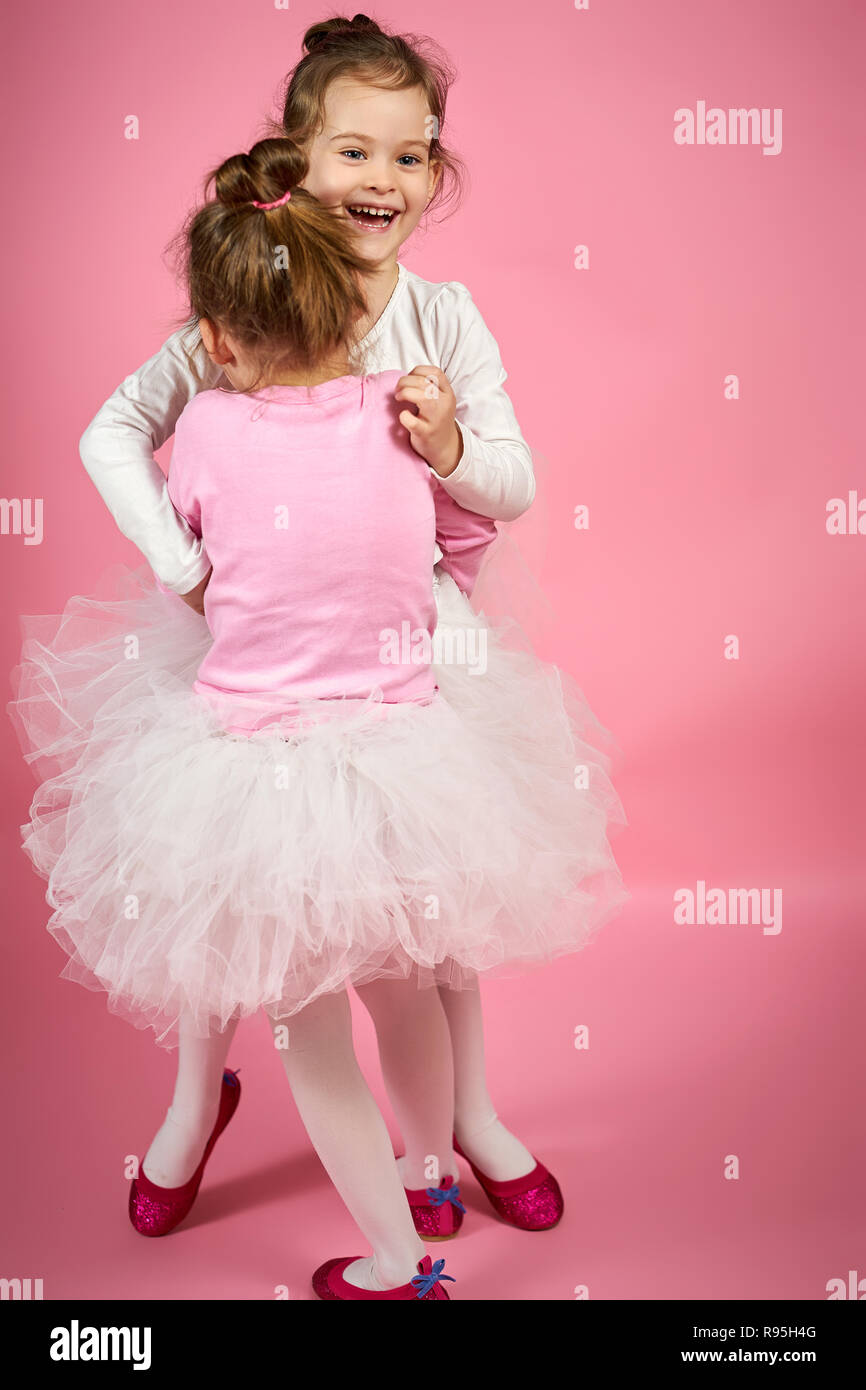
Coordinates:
(370,163)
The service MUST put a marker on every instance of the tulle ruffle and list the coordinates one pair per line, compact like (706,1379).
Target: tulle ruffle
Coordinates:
(201,874)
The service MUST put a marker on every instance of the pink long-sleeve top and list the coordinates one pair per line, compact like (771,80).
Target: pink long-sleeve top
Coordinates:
(320,522)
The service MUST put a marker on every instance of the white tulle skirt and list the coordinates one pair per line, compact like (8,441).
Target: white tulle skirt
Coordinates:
(200,874)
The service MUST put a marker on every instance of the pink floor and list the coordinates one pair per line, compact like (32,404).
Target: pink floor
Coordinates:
(699,1048)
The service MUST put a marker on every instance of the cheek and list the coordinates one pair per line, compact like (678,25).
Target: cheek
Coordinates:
(328,181)
(416,194)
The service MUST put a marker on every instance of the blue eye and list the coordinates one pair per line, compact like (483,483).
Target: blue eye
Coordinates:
(413,159)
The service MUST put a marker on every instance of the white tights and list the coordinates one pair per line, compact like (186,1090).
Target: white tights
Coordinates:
(480,1133)
(178,1145)
(452,1021)
(431,1047)
(349,1134)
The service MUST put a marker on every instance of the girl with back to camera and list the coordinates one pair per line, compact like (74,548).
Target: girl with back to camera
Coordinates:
(514,864)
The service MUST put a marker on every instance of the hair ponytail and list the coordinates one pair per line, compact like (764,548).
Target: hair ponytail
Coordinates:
(285,281)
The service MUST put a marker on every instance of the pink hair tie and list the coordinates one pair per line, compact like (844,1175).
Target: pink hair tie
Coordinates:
(266,207)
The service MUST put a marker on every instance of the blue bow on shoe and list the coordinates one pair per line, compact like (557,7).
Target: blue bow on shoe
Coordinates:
(425,1282)
(440,1195)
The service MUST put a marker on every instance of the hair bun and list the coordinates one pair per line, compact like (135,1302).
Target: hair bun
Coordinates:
(271,168)
(337,28)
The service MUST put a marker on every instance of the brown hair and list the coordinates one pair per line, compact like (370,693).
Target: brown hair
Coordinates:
(341,47)
(286,282)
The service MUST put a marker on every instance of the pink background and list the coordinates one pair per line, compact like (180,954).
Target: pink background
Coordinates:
(707,518)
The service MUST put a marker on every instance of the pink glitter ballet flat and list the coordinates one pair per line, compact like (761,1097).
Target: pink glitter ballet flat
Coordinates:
(436,1211)
(154,1210)
(531,1203)
(328,1282)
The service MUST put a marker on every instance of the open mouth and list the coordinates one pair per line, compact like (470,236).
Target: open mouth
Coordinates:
(371,218)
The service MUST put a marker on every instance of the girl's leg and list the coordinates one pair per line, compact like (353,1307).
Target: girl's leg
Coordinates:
(415,1054)
(480,1133)
(178,1145)
(348,1133)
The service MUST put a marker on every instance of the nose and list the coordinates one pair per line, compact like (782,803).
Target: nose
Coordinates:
(378,179)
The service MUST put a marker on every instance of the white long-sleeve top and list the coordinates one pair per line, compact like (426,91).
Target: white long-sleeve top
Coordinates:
(422,322)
